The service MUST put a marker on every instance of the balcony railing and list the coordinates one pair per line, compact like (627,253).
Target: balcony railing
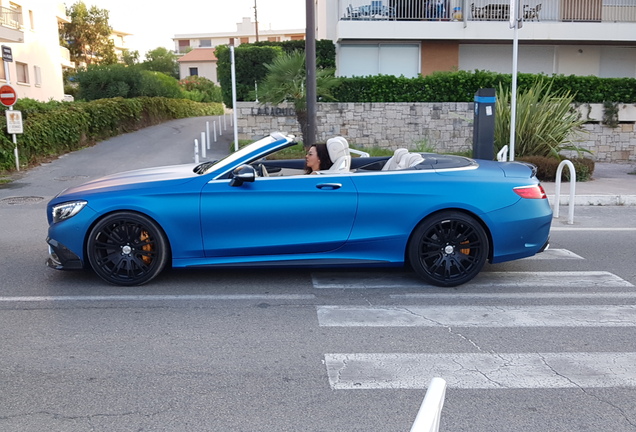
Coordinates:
(489,10)
(10,18)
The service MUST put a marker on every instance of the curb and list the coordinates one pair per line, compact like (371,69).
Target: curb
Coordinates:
(597,200)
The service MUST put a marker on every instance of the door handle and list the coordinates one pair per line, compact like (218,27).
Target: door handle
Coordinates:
(329,186)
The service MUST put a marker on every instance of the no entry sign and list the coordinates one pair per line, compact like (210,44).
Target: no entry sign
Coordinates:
(8,96)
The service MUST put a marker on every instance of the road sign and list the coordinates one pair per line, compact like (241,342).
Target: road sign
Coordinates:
(8,96)
(14,121)
(7,55)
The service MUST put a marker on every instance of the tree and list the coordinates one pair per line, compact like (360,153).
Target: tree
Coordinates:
(162,60)
(285,81)
(87,36)
(130,58)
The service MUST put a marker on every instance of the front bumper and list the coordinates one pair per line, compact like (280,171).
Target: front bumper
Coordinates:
(61,258)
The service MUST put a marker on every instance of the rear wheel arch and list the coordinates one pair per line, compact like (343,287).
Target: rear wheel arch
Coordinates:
(468,222)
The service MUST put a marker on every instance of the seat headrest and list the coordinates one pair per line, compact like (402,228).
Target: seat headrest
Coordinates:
(337,147)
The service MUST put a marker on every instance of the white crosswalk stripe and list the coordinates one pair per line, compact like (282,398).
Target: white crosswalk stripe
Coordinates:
(477,316)
(485,369)
(482,370)
(359,280)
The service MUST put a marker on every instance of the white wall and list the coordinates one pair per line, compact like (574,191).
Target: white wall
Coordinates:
(40,48)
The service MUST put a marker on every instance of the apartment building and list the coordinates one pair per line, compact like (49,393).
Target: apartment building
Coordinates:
(411,37)
(30,29)
(197,49)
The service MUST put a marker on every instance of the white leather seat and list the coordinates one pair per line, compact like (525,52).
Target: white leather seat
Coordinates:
(410,160)
(394,161)
(338,149)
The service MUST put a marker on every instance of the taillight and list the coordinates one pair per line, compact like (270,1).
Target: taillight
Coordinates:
(531,192)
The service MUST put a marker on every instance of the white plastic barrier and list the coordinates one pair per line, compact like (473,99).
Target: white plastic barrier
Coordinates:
(502,156)
(428,417)
(557,191)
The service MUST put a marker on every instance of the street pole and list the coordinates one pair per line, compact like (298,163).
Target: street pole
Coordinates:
(7,75)
(256,20)
(516,22)
(310,65)
(236,143)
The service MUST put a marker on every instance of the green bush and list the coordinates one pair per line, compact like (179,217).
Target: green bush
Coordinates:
(545,122)
(200,89)
(55,128)
(547,167)
(250,61)
(111,81)
(461,86)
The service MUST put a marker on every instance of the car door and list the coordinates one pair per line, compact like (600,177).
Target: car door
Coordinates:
(277,215)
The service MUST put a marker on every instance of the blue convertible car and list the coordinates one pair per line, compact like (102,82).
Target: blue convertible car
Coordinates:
(445,216)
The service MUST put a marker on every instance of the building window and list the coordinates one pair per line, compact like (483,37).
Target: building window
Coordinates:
(183,45)
(37,73)
(375,59)
(194,71)
(22,70)
(205,43)
(245,40)
(273,39)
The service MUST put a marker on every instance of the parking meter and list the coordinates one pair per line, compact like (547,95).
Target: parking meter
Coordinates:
(484,124)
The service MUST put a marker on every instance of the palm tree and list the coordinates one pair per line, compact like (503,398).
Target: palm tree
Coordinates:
(285,81)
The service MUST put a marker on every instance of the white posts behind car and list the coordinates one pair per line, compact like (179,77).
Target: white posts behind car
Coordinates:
(430,412)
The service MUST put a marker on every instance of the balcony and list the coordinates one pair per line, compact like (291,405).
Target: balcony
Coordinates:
(10,25)
(600,11)
(552,21)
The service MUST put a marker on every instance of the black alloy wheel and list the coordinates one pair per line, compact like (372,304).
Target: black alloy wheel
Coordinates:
(448,249)
(127,249)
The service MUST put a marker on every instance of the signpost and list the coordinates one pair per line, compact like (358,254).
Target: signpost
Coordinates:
(8,97)
(516,22)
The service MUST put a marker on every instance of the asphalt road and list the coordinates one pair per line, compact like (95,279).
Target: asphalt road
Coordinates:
(538,344)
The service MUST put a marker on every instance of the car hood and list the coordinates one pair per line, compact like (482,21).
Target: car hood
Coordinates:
(133,179)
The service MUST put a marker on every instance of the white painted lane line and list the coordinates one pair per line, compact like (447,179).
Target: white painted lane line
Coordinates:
(554,254)
(590,229)
(477,316)
(518,296)
(572,279)
(482,370)
(156,298)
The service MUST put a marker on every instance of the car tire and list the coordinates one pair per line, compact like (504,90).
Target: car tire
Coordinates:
(127,248)
(448,249)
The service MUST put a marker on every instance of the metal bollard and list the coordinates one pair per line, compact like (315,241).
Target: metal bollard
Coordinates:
(203,152)
(557,191)
(196,151)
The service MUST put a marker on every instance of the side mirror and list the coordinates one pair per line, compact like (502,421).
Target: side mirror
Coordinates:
(242,174)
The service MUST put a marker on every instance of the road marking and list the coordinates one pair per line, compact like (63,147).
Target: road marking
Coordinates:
(365,280)
(482,370)
(156,298)
(477,316)
(589,229)
(554,254)
(518,296)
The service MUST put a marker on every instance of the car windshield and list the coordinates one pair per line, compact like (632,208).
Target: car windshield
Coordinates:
(233,157)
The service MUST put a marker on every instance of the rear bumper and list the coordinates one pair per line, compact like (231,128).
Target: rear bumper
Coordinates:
(61,258)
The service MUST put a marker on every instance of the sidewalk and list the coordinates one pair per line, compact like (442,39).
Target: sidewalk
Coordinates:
(611,185)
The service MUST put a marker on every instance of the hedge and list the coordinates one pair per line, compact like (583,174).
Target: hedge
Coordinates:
(55,128)
(461,86)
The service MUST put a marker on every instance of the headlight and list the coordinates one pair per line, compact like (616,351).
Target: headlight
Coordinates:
(67,210)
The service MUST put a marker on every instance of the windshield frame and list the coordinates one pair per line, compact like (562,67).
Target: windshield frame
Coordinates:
(249,153)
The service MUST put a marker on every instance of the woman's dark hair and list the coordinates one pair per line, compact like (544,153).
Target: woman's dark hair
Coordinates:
(323,155)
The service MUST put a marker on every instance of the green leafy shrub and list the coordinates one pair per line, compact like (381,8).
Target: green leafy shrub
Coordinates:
(547,167)
(200,89)
(111,81)
(546,124)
